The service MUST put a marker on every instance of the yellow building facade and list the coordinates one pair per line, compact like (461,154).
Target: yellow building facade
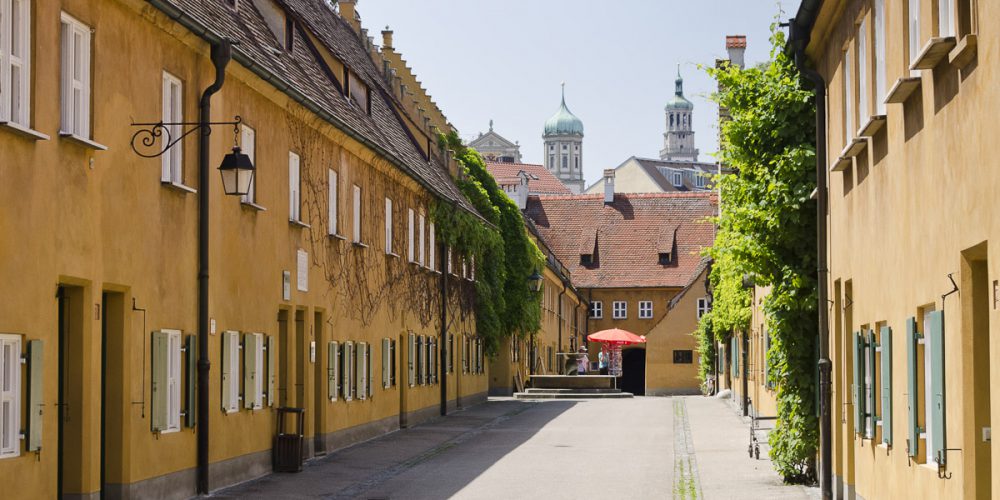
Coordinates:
(325,282)
(911,90)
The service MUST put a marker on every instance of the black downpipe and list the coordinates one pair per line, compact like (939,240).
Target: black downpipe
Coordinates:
(745,372)
(799,39)
(445,359)
(222,53)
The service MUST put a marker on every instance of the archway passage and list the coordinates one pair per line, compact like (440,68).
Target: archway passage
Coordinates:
(634,371)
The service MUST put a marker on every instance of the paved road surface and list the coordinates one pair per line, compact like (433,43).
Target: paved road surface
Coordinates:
(656,448)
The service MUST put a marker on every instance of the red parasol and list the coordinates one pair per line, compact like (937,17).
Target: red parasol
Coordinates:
(616,336)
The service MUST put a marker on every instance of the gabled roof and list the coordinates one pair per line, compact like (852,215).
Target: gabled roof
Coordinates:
(540,180)
(651,167)
(629,234)
(483,141)
(302,74)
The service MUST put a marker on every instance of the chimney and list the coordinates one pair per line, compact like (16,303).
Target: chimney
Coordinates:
(387,38)
(349,14)
(609,186)
(736,45)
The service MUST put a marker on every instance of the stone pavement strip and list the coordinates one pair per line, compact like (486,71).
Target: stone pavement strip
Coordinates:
(654,448)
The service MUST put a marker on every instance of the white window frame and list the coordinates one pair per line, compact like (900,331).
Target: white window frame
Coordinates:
(863,70)
(331,208)
(294,187)
(173,381)
(913,32)
(388,226)
(356,230)
(75,77)
(645,309)
(619,309)
(702,307)
(347,367)
(410,250)
(172,160)
(361,365)
(878,44)
(946,18)
(235,344)
(677,179)
(869,381)
(928,361)
(848,81)
(10,395)
(421,253)
(248,145)
(15,107)
(596,309)
(256,399)
(430,250)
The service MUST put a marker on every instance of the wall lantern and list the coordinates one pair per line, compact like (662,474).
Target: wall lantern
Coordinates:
(535,282)
(237,172)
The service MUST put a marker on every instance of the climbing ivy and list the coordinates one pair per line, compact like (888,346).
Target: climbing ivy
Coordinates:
(503,254)
(767,230)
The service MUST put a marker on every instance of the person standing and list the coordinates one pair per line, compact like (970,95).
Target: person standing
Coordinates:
(582,361)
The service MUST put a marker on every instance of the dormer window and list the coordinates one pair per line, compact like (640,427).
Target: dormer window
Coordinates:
(665,258)
(677,179)
(699,180)
(358,92)
(586,259)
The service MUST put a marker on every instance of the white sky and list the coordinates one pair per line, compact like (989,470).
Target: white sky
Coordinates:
(504,60)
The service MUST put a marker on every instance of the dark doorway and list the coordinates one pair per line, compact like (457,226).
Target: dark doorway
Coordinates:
(634,371)
(70,410)
(112,393)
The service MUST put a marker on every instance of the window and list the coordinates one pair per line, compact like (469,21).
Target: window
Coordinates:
(848,99)
(596,309)
(15,59)
(253,370)
(386,363)
(420,227)
(552,160)
(248,144)
(331,209)
(432,359)
(878,44)
(645,309)
(358,92)
(664,258)
(361,363)
(683,357)
(294,188)
(166,382)
(586,259)
(10,395)
(410,250)
(699,180)
(332,370)
(863,72)
(75,77)
(347,371)
(430,247)
(173,111)
(913,33)
(230,371)
(678,179)
(565,161)
(411,357)
(565,147)
(576,165)
(357,214)
(388,226)
(946,27)
(619,309)
(702,306)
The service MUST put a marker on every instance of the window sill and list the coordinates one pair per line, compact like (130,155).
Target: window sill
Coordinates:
(390,254)
(83,141)
(25,131)
(857,146)
(359,244)
(902,89)
(249,205)
(964,51)
(178,187)
(936,49)
(874,124)
(338,236)
(841,164)
(298,223)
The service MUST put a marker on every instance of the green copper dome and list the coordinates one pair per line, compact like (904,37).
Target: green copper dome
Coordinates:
(678,102)
(563,122)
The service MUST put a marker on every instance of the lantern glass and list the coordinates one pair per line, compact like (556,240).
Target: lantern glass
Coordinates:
(535,282)
(237,173)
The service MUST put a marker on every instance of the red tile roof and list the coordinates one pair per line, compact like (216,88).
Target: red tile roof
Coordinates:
(541,181)
(629,234)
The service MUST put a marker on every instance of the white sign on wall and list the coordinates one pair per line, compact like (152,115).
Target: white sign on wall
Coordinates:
(303,271)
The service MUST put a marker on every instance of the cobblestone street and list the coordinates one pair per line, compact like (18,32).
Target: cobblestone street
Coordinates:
(683,447)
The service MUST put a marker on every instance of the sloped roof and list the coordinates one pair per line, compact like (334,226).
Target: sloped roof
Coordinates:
(652,168)
(482,141)
(540,181)
(302,75)
(629,232)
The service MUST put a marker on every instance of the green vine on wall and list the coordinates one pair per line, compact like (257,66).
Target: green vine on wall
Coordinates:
(767,229)
(503,254)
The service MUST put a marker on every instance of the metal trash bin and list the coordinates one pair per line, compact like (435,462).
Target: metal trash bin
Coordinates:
(287,452)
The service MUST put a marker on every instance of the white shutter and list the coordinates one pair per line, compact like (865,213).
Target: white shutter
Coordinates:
(421,240)
(10,395)
(75,77)
(172,112)
(411,354)
(333,366)
(357,214)
(17,63)
(388,225)
(432,264)
(231,371)
(174,381)
(348,367)
(386,345)
(331,212)
(248,144)
(362,369)
(294,188)
(409,237)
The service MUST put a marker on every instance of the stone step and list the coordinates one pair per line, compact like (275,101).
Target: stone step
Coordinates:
(572,395)
(535,390)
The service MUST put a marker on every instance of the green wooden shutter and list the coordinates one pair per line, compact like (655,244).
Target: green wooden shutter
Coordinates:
(331,371)
(935,332)
(912,337)
(885,339)
(859,381)
(370,383)
(359,366)
(35,394)
(160,346)
(272,357)
(191,367)
(386,355)
(410,355)
(870,385)
(227,370)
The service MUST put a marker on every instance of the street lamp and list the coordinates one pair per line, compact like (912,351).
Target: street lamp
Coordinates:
(535,282)
(237,172)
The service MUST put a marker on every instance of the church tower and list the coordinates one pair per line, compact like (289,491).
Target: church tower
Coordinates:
(678,140)
(563,138)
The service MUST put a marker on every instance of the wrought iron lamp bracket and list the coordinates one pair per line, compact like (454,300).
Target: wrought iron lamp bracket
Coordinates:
(145,139)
